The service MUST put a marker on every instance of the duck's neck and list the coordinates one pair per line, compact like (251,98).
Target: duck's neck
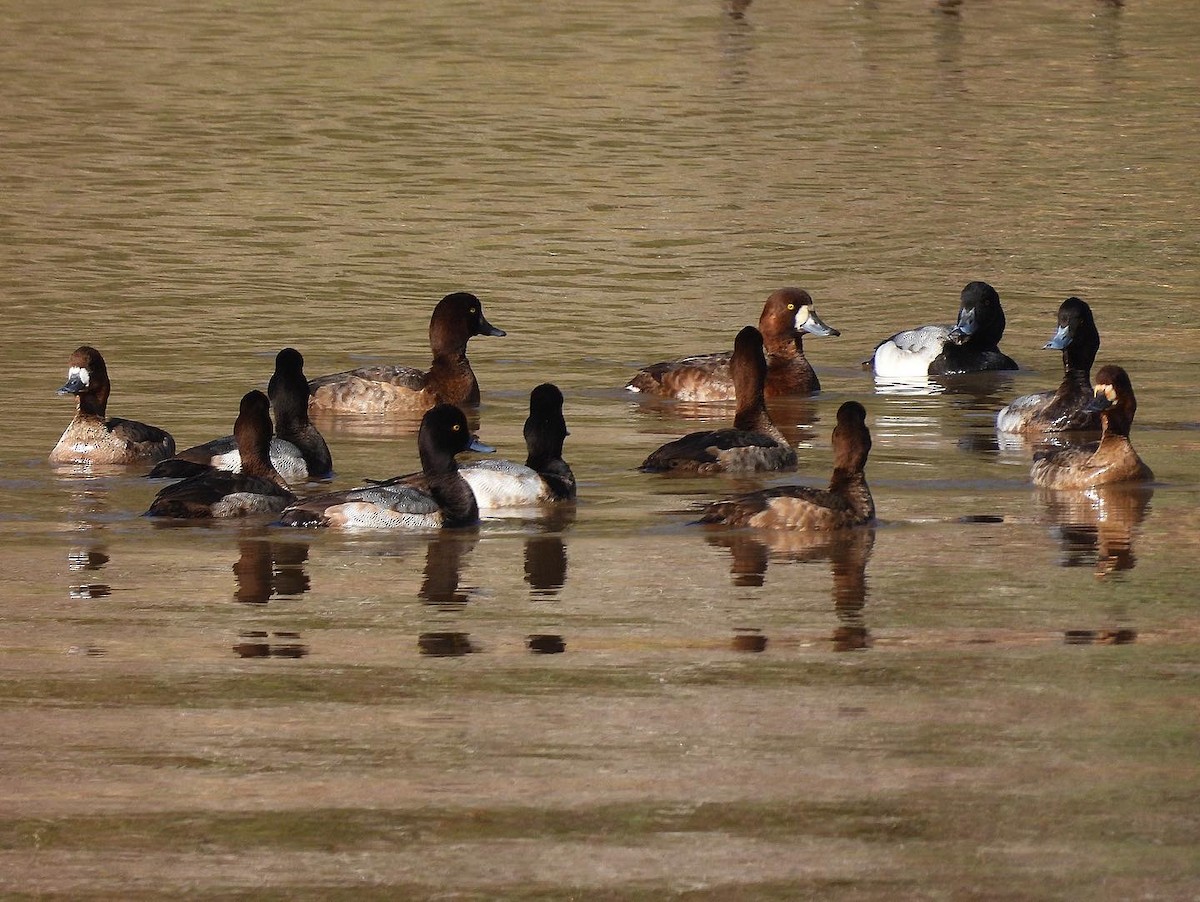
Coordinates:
(851,484)
(91,405)
(753,417)
(453,370)
(788,345)
(454,498)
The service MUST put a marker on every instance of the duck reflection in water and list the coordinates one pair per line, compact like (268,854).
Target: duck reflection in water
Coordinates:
(546,552)
(444,557)
(847,551)
(1096,526)
(265,569)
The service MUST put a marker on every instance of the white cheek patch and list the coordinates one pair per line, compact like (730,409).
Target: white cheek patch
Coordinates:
(78,372)
(801,316)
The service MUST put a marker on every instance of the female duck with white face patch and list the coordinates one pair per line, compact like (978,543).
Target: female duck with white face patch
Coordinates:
(1113,459)
(93,437)
(970,346)
(786,316)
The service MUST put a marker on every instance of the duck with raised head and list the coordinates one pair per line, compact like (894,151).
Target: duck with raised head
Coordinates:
(787,314)
(972,345)
(1112,459)
(847,501)
(448,502)
(1066,408)
(754,443)
(220,494)
(545,476)
(456,319)
(298,450)
(94,437)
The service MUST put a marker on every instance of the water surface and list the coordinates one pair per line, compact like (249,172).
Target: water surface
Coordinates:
(991,693)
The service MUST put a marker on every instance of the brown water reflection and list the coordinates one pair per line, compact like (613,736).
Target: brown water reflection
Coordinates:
(445,556)
(266,569)
(1097,527)
(847,551)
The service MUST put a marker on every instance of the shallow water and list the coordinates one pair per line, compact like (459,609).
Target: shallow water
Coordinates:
(992,693)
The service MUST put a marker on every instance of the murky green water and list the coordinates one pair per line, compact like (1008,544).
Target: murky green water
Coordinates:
(993,694)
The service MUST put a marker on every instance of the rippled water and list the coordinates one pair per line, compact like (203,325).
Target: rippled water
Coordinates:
(991,693)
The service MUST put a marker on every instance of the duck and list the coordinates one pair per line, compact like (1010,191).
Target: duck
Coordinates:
(1066,408)
(846,503)
(94,437)
(456,319)
(298,450)
(220,494)
(545,477)
(448,503)
(753,444)
(1112,459)
(970,346)
(787,314)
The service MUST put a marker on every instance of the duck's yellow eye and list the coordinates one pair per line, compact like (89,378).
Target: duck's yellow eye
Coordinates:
(791,306)
(456,427)
(472,310)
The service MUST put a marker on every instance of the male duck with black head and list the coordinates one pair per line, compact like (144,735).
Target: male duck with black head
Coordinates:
(545,477)
(298,450)
(395,505)
(786,316)
(456,319)
(972,345)
(847,502)
(1113,459)
(1066,408)
(753,444)
(95,438)
(221,494)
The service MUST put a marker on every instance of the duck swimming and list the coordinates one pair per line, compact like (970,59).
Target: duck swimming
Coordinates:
(753,444)
(847,501)
(94,438)
(220,494)
(545,476)
(448,502)
(787,314)
(1111,460)
(456,319)
(298,450)
(970,346)
(1066,408)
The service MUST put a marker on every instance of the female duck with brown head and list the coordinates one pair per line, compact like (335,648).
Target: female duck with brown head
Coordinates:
(1066,408)
(847,501)
(1111,460)
(220,494)
(298,450)
(753,444)
(786,316)
(94,438)
(456,319)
